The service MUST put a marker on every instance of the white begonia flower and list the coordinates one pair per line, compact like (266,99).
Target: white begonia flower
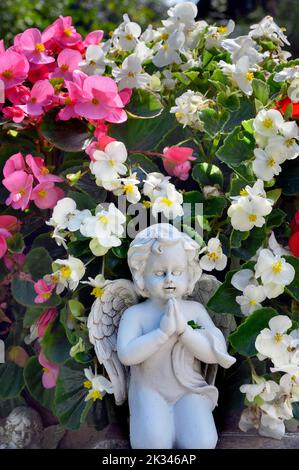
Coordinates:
(97,385)
(129,187)
(267,28)
(168,52)
(243,278)
(215,35)
(256,190)
(69,274)
(169,203)
(130,75)
(241,73)
(142,52)
(155,184)
(240,47)
(168,82)
(95,62)
(271,426)
(64,209)
(273,341)
(275,247)
(268,122)
(286,142)
(251,299)
(293,90)
(109,164)
(250,418)
(273,268)
(182,13)
(58,236)
(288,73)
(267,162)
(187,107)
(98,284)
(150,34)
(248,212)
(126,36)
(265,389)
(214,257)
(106,226)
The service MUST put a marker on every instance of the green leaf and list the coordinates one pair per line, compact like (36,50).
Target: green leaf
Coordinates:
(11,380)
(243,338)
(32,314)
(207,174)
(236,238)
(295,410)
(261,90)
(70,395)
(15,243)
(246,111)
(77,309)
(193,234)
(251,244)
(213,121)
(83,201)
(224,299)
(55,343)
(138,160)
(33,373)
(293,288)
(274,194)
(71,135)
(214,206)
(38,263)
(237,148)
(230,102)
(275,218)
(24,293)
(288,180)
(144,104)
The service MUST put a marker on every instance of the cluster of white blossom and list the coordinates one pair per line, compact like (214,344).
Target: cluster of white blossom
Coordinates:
(277,141)
(270,403)
(188,105)
(271,269)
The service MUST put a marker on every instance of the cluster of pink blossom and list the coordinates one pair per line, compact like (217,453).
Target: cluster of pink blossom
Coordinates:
(19,176)
(9,225)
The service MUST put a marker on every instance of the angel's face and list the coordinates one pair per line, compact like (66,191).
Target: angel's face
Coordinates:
(166,274)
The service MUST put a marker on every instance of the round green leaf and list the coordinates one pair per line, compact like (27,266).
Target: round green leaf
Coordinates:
(207,174)
(144,104)
(11,380)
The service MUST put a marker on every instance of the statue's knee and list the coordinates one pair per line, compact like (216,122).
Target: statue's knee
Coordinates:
(150,439)
(202,441)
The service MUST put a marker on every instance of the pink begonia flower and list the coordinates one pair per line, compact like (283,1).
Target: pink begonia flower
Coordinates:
(40,72)
(41,95)
(177,161)
(45,195)
(2,48)
(19,184)
(75,91)
(95,37)
(98,145)
(11,259)
(125,95)
(33,48)
(3,244)
(14,113)
(18,94)
(14,163)
(47,317)
(67,61)
(14,68)
(40,171)
(50,370)
(44,291)
(101,129)
(9,224)
(99,99)
(62,32)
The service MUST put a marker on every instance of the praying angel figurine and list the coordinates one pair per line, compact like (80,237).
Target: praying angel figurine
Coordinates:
(164,351)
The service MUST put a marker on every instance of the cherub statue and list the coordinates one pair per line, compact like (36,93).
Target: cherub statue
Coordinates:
(169,342)
(23,429)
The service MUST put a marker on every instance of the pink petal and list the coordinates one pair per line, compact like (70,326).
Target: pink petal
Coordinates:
(14,163)
(43,91)
(30,38)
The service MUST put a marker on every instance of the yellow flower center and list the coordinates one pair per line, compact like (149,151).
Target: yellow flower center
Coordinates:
(249,76)
(65,272)
(179,115)
(87,384)
(129,37)
(54,278)
(64,67)
(95,101)
(293,378)
(270,162)
(277,267)
(166,46)
(42,193)
(97,292)
(243,192)
(166,201)
(213,256)
(44,170)
(68,101)
(131,74)
(147,204)
(252,217)
(96,395)
(268,123)
(103,219)
(252,302)
(278,337)
(68,32)
(164,36)
(289,142)
(46,295)
(112,162)
(40,47)
(45,369)
(222,29)
(8,74)
(129,188)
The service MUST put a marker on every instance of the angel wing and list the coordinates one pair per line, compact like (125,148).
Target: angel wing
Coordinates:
(204,289)
(102,324)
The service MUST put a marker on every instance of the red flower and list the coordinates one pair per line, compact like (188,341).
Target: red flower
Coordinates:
(295,223)
(283,104)
(294,244)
